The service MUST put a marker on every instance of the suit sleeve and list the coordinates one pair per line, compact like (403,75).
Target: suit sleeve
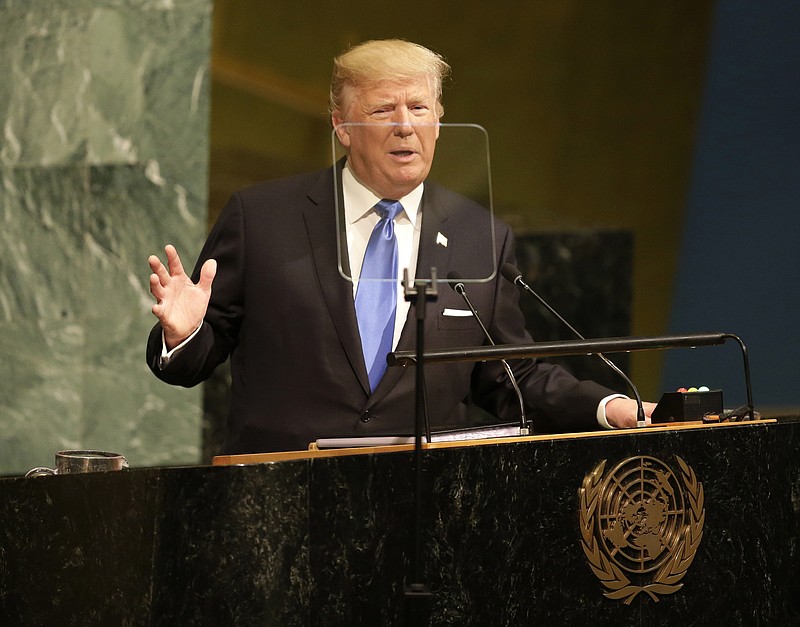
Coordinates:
(555,400)
(218,335)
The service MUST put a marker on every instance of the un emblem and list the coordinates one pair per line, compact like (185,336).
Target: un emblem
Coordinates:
(641,525)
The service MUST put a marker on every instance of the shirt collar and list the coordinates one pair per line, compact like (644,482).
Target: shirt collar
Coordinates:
(359,201)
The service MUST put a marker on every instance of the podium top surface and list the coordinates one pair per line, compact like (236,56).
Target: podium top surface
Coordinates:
(313,452)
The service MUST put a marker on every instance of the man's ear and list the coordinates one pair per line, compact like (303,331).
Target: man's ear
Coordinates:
(342,130)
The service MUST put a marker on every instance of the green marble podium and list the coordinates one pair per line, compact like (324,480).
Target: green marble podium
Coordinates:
(312,538)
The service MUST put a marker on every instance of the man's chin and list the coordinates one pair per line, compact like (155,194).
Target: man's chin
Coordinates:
(394,182)
(403,186)
(409,176)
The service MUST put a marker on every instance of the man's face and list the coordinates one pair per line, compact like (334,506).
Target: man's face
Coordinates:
(393,153)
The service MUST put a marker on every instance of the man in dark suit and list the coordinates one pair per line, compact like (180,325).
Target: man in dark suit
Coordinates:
(267,291)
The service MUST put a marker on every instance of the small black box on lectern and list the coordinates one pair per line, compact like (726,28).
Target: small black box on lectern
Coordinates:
(687,406)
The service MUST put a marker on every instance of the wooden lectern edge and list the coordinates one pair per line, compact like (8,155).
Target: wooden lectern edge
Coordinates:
(313,452)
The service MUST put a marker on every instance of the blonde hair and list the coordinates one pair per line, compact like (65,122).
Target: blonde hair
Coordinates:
(383,59)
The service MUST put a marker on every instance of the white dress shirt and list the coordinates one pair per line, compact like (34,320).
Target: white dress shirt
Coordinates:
(360,217)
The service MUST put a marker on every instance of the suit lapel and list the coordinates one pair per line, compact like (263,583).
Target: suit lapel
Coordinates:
(321,224)
(433,240)
(433,253)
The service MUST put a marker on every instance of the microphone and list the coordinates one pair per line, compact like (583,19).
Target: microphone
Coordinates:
(454,279)
(513,274)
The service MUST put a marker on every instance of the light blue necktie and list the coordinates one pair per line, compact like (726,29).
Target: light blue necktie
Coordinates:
(376,296)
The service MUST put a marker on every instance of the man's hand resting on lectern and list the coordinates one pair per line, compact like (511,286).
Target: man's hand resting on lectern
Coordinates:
(621,412)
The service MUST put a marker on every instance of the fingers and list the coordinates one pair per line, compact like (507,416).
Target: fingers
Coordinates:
(157,287)
(154,263)
(164,275)
(207,274)
(173,261)
(621,412)
(159,271)
(160,280)
(173,288)
(158,310)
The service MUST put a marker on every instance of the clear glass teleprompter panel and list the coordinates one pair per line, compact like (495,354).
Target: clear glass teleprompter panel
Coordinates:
(456,212)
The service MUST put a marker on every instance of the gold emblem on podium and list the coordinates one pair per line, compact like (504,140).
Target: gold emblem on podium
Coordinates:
(641,524)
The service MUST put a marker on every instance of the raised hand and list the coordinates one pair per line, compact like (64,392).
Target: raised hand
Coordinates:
(180,303)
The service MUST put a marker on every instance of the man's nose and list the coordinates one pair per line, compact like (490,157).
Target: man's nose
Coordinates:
(402,122)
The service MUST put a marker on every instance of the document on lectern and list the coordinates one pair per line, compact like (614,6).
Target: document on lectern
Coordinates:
(456,435)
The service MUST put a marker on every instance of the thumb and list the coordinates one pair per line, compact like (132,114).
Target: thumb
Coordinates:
(207,274)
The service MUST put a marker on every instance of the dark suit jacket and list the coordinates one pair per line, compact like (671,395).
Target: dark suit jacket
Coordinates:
(283,313)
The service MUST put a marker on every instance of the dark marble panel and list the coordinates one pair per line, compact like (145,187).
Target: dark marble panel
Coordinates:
(77,550)
(185,546)
(233,550)
(502,544)
(586,276)
(361,516)
(330,541)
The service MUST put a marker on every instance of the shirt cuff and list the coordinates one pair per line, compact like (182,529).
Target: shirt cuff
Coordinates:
(166,355)
(601,410)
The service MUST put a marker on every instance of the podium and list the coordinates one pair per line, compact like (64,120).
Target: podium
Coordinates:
(510,535)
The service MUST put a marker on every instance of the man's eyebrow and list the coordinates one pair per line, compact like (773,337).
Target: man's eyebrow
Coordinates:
(384,102)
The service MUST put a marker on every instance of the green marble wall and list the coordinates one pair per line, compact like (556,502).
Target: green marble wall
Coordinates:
(103,157)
